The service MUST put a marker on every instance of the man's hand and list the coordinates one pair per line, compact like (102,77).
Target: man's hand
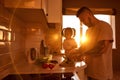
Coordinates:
(71,53)
(74,55)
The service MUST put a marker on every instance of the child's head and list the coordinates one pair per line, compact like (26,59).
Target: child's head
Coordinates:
(68,32)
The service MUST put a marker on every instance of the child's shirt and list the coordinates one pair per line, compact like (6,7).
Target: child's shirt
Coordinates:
(69,44)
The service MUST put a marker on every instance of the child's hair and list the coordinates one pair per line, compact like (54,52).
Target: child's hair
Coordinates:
(69,30)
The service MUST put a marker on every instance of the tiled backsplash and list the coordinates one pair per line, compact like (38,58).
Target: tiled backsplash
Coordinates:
(53,38)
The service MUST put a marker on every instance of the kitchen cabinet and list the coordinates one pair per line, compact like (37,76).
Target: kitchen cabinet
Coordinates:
(54,11)
(52,8)
(31,4)
(23,3)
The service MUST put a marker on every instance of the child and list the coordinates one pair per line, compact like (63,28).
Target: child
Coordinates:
(69,43)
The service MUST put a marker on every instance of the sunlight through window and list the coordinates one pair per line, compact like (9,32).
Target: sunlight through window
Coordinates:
(73,22)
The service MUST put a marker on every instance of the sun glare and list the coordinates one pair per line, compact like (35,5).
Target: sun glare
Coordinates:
(83,39)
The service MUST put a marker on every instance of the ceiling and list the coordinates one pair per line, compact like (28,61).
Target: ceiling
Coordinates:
(73,11)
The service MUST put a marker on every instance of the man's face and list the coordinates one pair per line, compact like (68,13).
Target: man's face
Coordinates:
(85,18)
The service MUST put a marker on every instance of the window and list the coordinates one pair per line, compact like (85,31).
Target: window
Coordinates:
(6,35)
(1,35)
(73,21)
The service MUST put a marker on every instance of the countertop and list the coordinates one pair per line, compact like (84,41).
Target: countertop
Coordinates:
(26,68)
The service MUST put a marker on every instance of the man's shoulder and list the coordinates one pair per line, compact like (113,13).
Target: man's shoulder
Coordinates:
(104,23)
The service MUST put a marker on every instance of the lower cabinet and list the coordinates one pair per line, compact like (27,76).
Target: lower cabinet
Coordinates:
(52,76)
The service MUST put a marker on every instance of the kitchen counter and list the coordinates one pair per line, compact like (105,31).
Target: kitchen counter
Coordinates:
(26,68)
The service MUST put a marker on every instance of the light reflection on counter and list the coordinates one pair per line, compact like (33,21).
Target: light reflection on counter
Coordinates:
(62,59)
(62,51)
(79,64)
(63,68)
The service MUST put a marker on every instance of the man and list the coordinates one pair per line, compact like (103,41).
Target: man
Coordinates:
(98,47)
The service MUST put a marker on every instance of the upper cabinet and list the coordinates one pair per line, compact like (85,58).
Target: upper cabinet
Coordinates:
(23,3)
(54,11)
(52,8)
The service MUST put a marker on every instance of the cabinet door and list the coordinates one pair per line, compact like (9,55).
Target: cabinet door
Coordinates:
(44,6)
(54,11)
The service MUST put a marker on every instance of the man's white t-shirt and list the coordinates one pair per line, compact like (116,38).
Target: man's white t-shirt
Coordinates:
(100,67)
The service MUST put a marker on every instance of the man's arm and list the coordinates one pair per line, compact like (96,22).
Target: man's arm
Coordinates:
(99,48)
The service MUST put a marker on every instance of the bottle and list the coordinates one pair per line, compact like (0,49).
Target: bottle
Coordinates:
(42,49)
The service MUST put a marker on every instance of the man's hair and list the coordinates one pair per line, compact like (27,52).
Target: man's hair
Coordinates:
(82,9)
